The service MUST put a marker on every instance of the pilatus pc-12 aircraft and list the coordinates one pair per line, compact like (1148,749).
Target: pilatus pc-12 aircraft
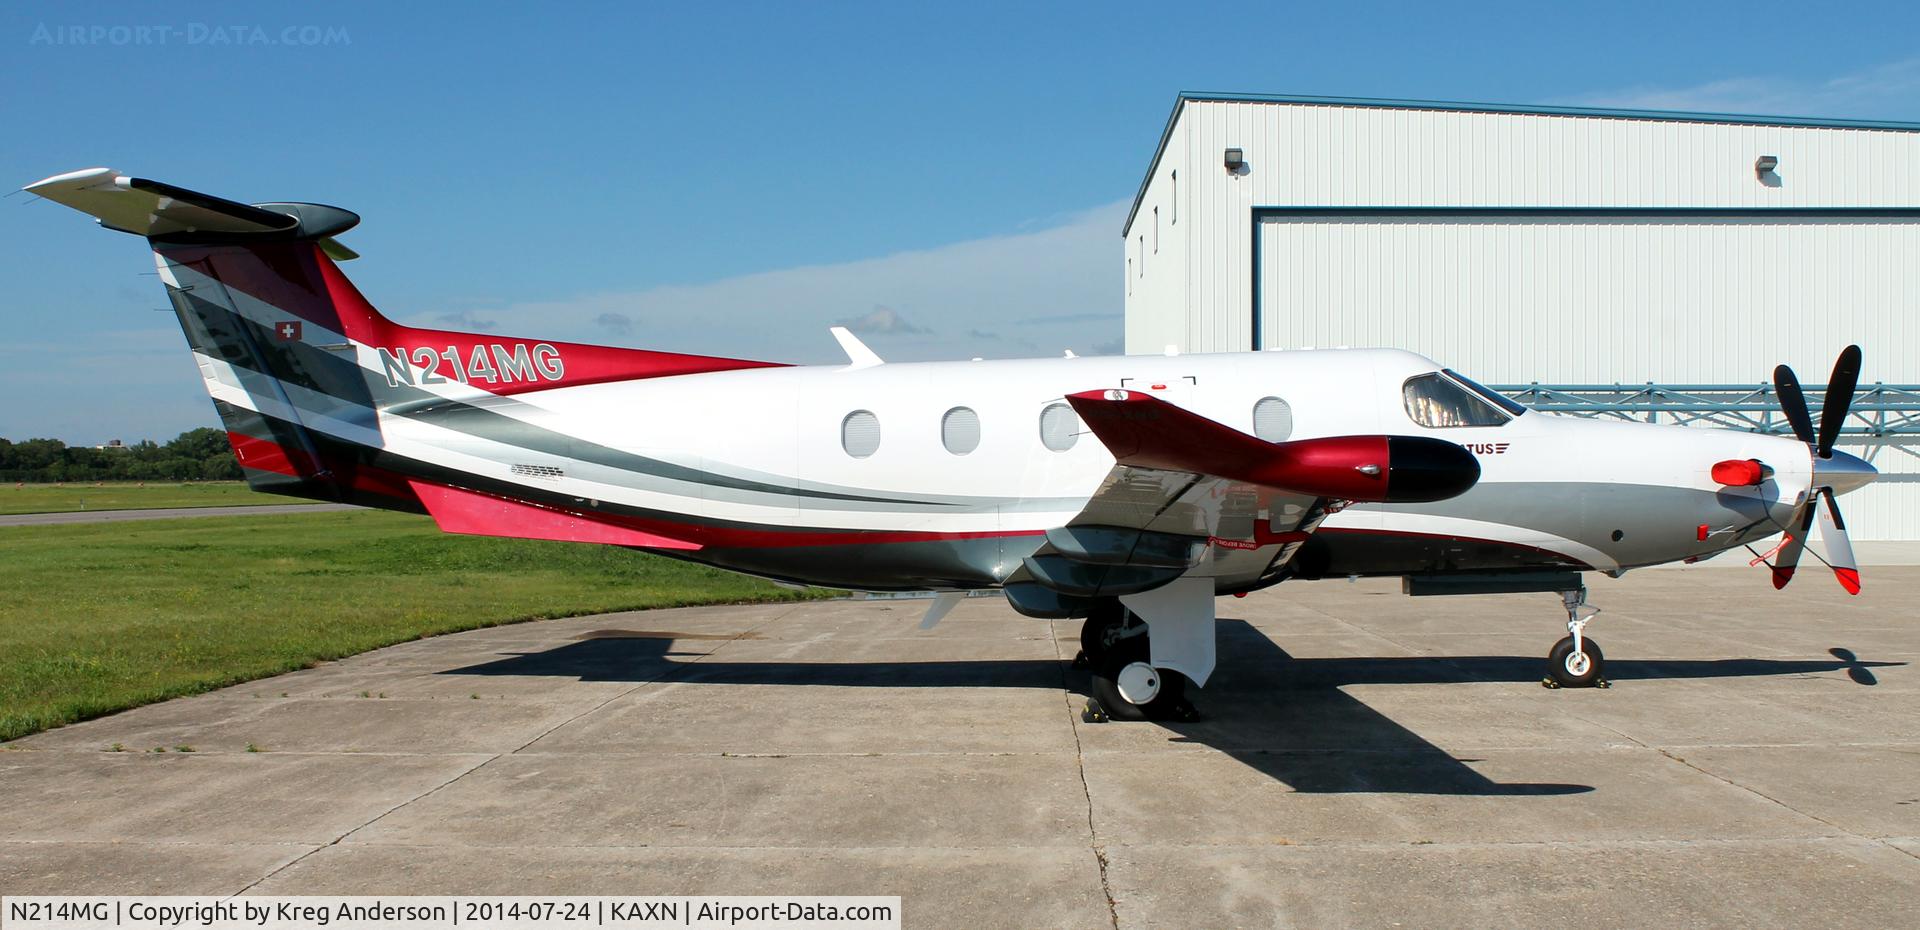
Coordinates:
(1127,491)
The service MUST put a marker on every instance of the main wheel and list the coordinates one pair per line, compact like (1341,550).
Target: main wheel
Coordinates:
(1571,671)
(1129,688)
(1102,628)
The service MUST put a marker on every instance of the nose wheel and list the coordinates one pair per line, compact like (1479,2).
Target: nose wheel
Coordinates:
(1576,660)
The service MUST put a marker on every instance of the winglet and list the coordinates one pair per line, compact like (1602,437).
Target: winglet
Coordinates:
(858,355)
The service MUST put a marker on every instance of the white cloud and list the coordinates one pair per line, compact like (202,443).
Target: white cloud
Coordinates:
(1886,91)
(883,320)
(618,323)
(464,319)
(1041,291)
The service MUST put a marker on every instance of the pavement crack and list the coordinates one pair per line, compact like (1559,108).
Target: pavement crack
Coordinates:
(1086,790)
(1676,757)
(1879,841)
(672,670)
(369,822)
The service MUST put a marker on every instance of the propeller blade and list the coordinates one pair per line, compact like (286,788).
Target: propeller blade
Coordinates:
(1833,411)
(1789,557)
(1833,533)
(1793,402)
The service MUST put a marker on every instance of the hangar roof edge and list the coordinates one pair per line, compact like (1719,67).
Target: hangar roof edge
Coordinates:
(1387,103)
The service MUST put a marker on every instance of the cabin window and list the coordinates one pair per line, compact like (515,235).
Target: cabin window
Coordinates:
(1439,402)
(1059,428)
(860,433)
(1272,419)
(960,431)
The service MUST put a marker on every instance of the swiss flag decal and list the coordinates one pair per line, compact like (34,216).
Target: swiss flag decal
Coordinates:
(287,331)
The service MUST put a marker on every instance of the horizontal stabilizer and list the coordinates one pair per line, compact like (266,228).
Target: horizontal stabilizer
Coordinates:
(162,211)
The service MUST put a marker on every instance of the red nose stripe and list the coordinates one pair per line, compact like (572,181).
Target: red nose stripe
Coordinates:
(1781,576)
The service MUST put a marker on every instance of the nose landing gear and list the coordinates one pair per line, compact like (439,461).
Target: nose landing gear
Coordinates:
(1576,661)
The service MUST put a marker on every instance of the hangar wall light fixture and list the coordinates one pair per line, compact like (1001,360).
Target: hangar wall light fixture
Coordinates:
(1765,164)
(1235,160)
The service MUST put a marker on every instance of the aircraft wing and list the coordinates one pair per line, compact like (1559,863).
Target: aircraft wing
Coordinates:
(1184,487)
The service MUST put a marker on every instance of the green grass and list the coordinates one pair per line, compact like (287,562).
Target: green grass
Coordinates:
(131,495)
(97,618)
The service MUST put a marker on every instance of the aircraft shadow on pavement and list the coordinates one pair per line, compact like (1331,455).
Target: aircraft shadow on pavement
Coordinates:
(1283,716)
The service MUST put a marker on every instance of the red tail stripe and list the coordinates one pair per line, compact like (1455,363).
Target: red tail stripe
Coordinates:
(299,279)
(584,364)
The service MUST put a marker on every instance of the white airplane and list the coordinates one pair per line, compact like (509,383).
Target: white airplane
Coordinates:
(955,477)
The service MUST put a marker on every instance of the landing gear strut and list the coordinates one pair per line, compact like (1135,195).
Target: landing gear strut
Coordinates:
(1104,627)
(1576,661)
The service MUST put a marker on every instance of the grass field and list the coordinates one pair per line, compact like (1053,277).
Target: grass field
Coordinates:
(101,617)
(128,495)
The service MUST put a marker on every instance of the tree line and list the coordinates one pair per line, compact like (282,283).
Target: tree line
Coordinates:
(195,455)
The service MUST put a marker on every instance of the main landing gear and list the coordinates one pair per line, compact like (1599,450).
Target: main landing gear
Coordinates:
(1115,647)
(1576,661)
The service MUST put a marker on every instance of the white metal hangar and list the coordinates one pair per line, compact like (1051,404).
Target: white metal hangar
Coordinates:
(1628,263)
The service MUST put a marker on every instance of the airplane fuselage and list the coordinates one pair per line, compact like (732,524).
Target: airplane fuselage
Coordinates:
(754,466)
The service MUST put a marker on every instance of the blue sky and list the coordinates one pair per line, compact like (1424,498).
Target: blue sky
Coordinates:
(735,178)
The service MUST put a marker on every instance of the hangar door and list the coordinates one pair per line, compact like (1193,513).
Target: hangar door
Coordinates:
(1597,297)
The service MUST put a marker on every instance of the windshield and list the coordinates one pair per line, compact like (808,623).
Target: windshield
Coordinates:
(1505,403)
(1440,403)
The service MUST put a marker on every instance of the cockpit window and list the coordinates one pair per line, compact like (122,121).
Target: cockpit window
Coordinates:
(1501,400)
(1437,402)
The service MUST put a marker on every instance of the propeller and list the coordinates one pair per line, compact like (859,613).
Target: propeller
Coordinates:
(1793,402)
(1821,502)
(1833,411)
(1795,543)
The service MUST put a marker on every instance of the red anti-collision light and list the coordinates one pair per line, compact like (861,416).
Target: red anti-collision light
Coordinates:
(1745,473)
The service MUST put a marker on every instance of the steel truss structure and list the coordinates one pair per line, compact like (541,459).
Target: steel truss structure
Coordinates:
(1883,416)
